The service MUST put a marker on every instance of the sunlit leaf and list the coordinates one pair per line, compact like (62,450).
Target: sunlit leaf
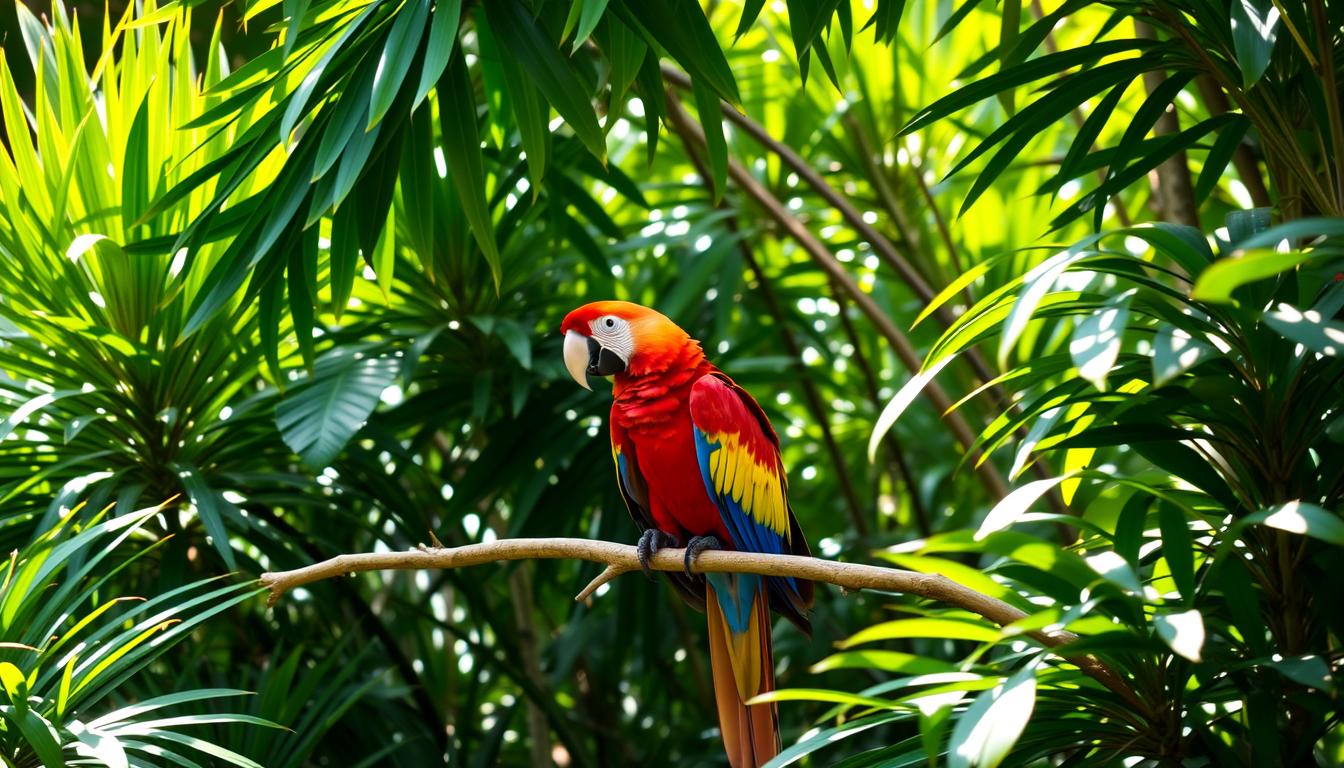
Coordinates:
(1184,632)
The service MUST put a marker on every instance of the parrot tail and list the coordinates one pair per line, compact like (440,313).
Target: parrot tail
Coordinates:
(738,607)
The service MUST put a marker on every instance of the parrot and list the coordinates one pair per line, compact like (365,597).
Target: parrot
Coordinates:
(698,466)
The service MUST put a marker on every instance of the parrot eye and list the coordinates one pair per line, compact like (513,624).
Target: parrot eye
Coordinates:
(609,322)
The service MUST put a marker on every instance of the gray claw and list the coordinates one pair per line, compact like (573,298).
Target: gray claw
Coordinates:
(699,544)
(650,542)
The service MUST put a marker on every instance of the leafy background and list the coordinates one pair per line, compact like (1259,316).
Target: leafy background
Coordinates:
(1043,297)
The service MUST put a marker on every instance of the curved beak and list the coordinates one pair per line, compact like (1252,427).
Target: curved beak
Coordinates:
(584,357)
(576,357)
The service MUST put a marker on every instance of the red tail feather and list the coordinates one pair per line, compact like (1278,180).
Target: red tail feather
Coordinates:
(750,733)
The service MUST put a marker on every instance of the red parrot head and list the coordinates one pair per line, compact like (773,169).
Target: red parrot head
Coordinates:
(618,338)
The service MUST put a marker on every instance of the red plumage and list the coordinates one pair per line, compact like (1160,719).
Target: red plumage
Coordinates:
(696,456)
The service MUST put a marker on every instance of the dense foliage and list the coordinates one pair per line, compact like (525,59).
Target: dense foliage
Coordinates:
(1043,297)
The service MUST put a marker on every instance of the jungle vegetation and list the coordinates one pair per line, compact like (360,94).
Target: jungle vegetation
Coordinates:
(1042,296)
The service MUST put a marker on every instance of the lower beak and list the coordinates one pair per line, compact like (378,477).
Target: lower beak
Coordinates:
(576,357)
(584,357)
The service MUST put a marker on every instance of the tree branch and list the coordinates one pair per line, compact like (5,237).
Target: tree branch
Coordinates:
(622,558)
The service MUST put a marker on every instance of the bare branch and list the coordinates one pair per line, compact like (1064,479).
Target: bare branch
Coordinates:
(622,558)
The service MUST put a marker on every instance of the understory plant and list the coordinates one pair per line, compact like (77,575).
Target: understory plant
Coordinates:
(1191,389)
(70,642)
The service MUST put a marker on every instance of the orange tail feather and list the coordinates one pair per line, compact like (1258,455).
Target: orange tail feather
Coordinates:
(743,667)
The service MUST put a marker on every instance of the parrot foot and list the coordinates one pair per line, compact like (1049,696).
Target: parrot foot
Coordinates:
(699,544)
(650,542)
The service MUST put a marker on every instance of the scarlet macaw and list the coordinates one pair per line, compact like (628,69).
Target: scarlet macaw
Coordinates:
(698,463)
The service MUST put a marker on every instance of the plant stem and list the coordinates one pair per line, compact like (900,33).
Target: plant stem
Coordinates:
(1175,191)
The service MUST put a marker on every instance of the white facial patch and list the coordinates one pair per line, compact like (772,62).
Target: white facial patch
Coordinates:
(614,333)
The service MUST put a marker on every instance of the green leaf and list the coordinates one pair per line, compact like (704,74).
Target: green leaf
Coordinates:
(442,40)
(210,506)
(1175,352)
(395,60)
(318,416)
(807,20)
(1177,548)
(751,10)
(38,733)
(1217,283)
(1255,27)
(946,629)
(711,117)
(681,28)
(902,400)
(1311,671)
(1309,329)
(1215,163)
(887,661)
(590,13)
(827,736)
(1183,632)
(1046,66)
(1035,285)
(1096,341)
(1303,518)
(1015,504)
(530,110)
(987,731)
(462,152)
(554,76)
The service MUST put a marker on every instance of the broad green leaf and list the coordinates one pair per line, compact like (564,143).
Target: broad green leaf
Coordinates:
(1015,504)
(828,736)
(210,506)
(1035,285)
(1224,276)
(320,414)
(396,57)
(1175,352)
(946,629)
(442,39)
(590,13)
(530,110)
(681,28)
(1255,27)
(711,117)
(38,733)
(1177,548)
(807,19)
(1303,518)
(818,694)
(1215,163)
(902,400)
(1096,341)
(987,731)
(1309,329)
(519,35)
(887,661)
(462,151)
(1309,670)
(1184,632)
(1035,69)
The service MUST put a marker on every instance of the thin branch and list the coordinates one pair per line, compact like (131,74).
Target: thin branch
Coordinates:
(1175,190)
(622,558)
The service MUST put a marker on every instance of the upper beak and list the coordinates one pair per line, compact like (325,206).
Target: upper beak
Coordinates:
(585,357)
(576,357)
